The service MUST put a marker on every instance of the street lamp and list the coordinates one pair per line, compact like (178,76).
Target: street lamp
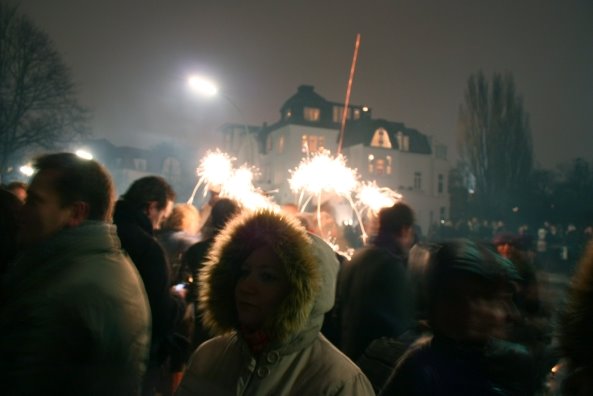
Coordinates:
(202,85)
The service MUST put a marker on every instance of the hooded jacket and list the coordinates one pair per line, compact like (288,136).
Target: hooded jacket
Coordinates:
(298,359)
(76,320)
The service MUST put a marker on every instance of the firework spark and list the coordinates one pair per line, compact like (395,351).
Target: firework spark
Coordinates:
(372,197)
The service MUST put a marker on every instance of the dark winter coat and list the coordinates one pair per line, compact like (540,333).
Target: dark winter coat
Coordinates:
(440,366)
(135,232)
(374,297)
(76,320)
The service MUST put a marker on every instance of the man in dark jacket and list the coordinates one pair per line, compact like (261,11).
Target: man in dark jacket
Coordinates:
(76,319)
(139,212)
(373,291)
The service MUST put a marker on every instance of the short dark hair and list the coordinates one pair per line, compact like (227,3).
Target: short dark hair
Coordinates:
(394,219)
(222,211)
(80,180)
(148,189)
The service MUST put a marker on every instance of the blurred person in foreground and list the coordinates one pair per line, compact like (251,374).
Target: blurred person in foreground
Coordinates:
(466,292)
(10,206)
(19,189)
(574,374)
(264,291)
(138,214)
(76,319)
(374,299)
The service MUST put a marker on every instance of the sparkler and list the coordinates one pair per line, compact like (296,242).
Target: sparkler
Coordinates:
(372,197)
(216,171)
(322,173)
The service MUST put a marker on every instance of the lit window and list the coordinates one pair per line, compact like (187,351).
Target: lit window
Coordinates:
(381,139)
(280,144)
(312,143)
(356,114)
(403,141)
(379,167)
(417,181)
(338,112)
(389,160)
(370,163)
(311,113)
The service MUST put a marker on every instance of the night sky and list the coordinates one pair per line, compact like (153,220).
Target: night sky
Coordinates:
(131,59)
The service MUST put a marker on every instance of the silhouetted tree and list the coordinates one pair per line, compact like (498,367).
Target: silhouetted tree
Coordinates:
(495,141)
(38,107)
(573,194)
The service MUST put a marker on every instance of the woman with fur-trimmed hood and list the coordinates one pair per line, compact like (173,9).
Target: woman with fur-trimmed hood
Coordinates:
(264,291)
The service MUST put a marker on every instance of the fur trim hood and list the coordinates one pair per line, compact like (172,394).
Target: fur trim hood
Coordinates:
(310,264)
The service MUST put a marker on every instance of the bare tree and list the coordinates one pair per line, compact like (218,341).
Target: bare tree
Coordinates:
(495,141)
(38,107)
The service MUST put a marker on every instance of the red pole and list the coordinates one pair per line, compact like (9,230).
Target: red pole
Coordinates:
(348,90)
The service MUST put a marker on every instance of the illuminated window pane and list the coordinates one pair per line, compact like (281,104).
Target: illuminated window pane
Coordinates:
(379,167)
(311,113)
(381,139)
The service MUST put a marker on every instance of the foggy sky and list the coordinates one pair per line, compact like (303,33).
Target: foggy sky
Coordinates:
(131,59)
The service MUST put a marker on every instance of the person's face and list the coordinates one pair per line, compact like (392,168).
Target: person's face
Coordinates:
(157,216)
(406,238)
(20,192)
(475,310)
(43,214)
(261,288)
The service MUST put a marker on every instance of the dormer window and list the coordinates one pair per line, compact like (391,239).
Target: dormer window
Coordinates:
(311,113)
(403,141)
(381,139)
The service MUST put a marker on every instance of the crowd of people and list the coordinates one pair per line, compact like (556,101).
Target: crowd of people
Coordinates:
(143,296)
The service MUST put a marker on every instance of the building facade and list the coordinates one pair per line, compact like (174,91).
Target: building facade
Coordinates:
(389,153)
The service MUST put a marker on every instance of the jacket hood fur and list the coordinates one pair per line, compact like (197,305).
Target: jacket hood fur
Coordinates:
(308,261)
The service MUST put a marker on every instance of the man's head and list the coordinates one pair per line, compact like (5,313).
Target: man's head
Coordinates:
(65,191)
(398,221)
(153,196)
(19,189)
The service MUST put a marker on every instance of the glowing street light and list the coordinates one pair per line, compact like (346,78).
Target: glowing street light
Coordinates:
(202,85)
(27,170)
(84,154)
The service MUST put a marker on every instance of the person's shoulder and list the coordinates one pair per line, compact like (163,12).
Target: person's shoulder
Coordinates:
(337,370)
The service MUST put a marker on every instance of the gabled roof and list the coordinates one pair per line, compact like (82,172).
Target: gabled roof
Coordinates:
(362,133)
(358,131)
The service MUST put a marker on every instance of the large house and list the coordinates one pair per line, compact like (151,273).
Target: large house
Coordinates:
(388,152)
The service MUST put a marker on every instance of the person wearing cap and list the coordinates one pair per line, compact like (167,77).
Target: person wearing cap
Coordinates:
(264,291)
(466,291)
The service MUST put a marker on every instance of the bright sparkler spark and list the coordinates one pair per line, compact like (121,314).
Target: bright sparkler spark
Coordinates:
(374,198)
(216,168)
(322,173)
(216,172)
